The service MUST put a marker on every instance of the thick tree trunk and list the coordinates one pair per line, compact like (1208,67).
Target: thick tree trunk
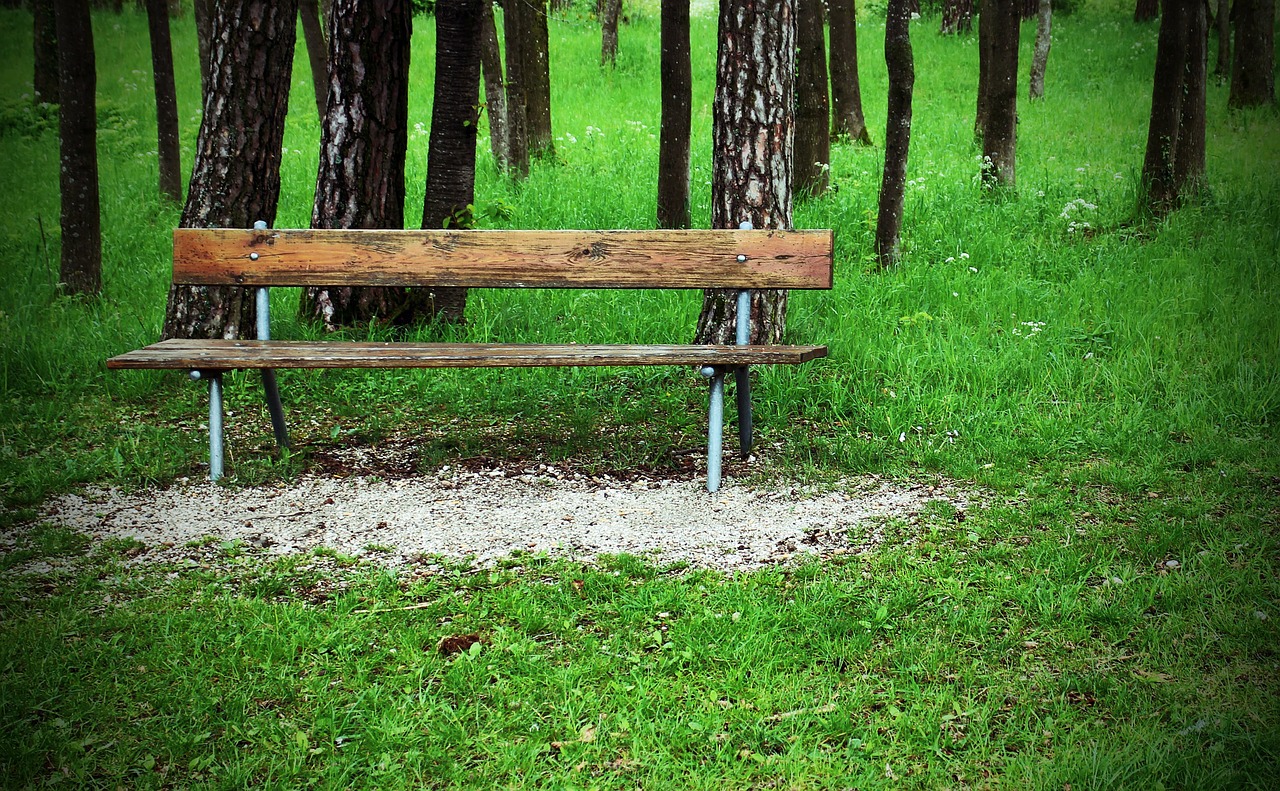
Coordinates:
(847,120)
(813,111)
(1188,155)
(902,78)
(81,265)
(1253,71)
(1000,136)
(611,9)
(514,22)
(538,90)
(986,27)
(363,138)
(1222,70)
(235,179)
(1166,107)
(752,140)
(451,160)
(677,102)
(1146,10)
(957,17)
(495,94)
(1040,56)
(203,15)
(313,34)
(45,45)
(168,146)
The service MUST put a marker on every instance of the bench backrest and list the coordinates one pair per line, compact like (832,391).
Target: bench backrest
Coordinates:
(504,259)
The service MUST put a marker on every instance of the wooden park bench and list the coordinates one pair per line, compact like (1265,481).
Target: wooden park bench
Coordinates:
(695,259)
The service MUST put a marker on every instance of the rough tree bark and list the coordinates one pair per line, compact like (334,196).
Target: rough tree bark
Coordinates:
(1222,70)
(313,35)
(1040,55)
(203,16)
(1000,134)
(45,49)
(957,17)
(1188,154)
(986,25)
(752,140)
(363,138)
(168,146)
(235,179)
(1253,71)
(495,94)
(538,85)
(847,120)
(902,77)
(81,264)
(514,21)
(1166,107)
(451,159)
(611,9)
(813,111)
(677,102)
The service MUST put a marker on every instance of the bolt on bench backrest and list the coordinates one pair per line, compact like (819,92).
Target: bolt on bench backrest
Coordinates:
(505,259)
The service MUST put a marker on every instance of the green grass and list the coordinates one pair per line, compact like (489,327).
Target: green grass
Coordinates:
(1114,389)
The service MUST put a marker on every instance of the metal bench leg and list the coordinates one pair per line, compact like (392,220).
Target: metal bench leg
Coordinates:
(715,427)
(274,407)
(215,420)
(742,389)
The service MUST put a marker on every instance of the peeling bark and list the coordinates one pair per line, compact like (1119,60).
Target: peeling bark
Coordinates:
(847,120)
(900,61)
(168,148)
(81,264)
(813,114)
(677,101)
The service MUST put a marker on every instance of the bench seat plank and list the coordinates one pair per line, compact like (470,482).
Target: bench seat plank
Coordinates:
(229,354)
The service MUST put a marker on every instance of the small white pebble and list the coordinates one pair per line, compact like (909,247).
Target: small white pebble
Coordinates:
(1171,564)
(1260,615)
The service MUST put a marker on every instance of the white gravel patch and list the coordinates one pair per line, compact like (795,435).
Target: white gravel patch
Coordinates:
(489,515)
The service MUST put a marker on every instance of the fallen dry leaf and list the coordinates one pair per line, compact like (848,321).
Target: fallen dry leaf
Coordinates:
(457,643)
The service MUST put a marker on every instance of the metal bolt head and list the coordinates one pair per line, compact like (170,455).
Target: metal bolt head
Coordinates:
(253,256)
(260,225)
(742,259)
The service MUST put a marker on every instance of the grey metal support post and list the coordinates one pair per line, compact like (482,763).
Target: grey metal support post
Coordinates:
(269,385)
(742,378)
(215,420)
(715,427)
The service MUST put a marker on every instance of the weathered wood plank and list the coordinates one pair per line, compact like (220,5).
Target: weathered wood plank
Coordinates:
(224,354)
(505,259)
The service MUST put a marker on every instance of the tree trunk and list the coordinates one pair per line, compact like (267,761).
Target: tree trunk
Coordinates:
(1223,23)
(168,146)
(813,112)
(846,94)
(81,265)
(1253,71)
(538,86)
(999,137)
(609,32)
(1040,56)
(45,45)
(495,94)
(235,179)
(752,141)
(514,21)
(986,25)
(363,138)
(203,15)
(902,78)
(1188,154)
(677,102)
(313,34)
(957,17)
(1146,10)
(1166,107)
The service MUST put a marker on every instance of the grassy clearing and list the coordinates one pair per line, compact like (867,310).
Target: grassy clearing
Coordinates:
(1114,386)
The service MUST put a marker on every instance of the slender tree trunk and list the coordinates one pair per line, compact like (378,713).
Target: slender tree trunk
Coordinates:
(752,140)
(313,34)
(677,102)
(1146,10)
(168,146)
(1166,107)
(514,21)
(538,91)
(609,32)
(902,78)
(235,179)
(363,138)
(846,94)
(957,17)
(203,15)
(1253,72)
(495,94)
(1188,155)
(999,138)
(1040,56)
(986,25)
(813,112)
(1223,23)
(45,45)
(81,265)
